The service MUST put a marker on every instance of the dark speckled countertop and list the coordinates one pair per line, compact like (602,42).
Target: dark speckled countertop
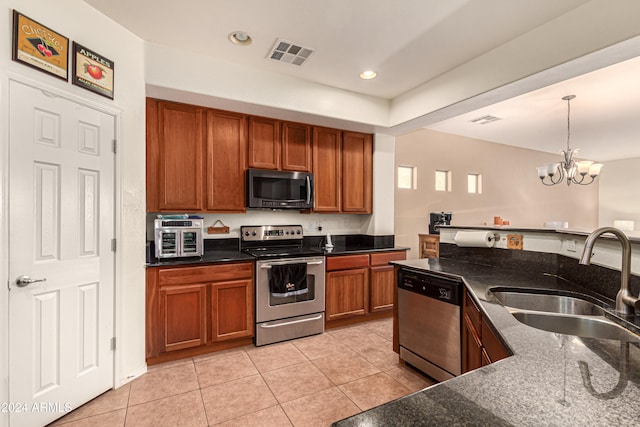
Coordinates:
(551,379)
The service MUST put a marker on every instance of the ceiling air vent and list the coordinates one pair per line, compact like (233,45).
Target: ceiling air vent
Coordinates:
(485,119)
(291,53)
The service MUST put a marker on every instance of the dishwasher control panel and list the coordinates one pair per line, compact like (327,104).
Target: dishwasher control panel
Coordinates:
(431,285)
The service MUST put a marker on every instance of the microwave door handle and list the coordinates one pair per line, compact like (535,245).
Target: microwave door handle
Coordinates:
(308,190)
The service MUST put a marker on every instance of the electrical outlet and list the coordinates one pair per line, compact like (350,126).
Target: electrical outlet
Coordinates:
(570,245)
(347,222)
(312,226)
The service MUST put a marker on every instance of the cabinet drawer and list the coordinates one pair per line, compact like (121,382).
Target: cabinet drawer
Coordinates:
(347,261)
(204,274)
(385,257)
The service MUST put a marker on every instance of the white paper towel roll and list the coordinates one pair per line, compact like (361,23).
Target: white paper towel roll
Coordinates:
(475,239)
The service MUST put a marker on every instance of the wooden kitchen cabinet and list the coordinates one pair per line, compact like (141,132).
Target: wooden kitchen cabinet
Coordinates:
(346,293)
(343,171)
(279,145)
(232,310)
(296,147)
(327,144)
(264,143)
(382,279)
(480,345)
(357,172)
(183,311)
(175,156)
(226,161)
(429,245)
(198,309)
(360,287)
(196,158)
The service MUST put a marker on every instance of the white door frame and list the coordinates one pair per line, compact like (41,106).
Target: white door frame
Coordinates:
(108,108)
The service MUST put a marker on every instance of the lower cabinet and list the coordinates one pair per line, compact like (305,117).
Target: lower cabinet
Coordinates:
(480,345)
(191,310)
(360,287)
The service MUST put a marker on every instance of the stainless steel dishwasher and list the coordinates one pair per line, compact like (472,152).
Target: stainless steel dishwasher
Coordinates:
(429,320)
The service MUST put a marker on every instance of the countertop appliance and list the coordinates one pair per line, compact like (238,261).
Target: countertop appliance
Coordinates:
(429,320)
(290,282)
(175,238)
(438,218)
(269,189)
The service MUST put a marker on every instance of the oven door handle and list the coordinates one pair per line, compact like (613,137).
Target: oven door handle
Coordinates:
(268,266)
(267,325)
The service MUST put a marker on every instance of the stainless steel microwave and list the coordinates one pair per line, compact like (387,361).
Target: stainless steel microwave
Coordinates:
(269,189)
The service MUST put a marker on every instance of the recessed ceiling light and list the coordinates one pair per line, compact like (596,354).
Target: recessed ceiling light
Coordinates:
(368,75)
(240,38)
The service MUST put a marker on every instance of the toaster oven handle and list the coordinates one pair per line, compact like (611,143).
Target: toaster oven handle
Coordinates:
(268,266)
(308,190)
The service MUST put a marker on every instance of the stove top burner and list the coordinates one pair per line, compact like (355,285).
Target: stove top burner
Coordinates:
(274,241)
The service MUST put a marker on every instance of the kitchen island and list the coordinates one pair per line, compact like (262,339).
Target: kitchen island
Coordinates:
(551,379)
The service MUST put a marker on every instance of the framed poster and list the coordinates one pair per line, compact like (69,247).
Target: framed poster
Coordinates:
(40,47)
(92,71)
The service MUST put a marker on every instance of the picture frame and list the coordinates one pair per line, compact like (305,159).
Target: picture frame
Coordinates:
(92,71)
(40,47)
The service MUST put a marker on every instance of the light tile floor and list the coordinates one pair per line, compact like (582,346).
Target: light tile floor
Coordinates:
(311,381)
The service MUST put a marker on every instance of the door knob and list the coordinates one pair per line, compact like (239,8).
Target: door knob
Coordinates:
(25,280)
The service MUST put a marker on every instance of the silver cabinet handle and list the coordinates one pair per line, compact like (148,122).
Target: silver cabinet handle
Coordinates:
(25,280)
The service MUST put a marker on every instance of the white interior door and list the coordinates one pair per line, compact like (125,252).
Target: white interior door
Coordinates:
(61,221)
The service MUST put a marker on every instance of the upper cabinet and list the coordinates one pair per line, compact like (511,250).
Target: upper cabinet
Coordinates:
(175,156)
(357,172)
(196,159)
(342,167)
(226,161)
(327,144)
(279,145)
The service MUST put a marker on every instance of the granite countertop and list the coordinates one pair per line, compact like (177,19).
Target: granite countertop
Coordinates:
(551,379)
(219,256)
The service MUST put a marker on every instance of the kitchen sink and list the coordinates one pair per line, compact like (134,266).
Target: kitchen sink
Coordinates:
(582,326)
(562,314)
(560,304)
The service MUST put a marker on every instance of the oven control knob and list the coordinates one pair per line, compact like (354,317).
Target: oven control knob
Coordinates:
(253,233)
(298,232)
(246,233)
(286,232)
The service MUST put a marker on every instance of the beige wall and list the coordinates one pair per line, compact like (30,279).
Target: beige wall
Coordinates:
(511,187)
(619,192)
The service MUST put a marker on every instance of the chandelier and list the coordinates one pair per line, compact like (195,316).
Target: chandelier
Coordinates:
(574,172)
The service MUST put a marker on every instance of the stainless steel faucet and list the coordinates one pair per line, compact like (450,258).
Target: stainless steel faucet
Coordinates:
(625,302)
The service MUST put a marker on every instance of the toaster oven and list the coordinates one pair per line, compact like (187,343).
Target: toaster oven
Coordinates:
(175,238)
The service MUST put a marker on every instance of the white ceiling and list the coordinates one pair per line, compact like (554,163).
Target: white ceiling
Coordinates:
(408,42)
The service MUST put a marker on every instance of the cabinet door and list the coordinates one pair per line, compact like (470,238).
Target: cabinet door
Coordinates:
(381,290)
(346,293)
(326,169)
(264,143)
(492,345)
(296,147)
(357,168)
(182,315)
(471,346)
(226,161)
(232,310)
(180,156)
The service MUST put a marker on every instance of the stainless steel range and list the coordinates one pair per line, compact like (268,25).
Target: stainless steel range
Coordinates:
(290,282)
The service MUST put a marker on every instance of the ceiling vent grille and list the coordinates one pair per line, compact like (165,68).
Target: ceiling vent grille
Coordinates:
(485,119)
(291,53)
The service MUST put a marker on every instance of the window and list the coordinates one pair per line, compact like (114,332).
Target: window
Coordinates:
(474,183)
(443,180)
(407,177)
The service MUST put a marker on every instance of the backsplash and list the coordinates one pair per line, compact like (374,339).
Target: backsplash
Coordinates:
(602,280)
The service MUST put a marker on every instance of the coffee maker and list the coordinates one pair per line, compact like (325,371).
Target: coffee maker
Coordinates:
(438,218)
